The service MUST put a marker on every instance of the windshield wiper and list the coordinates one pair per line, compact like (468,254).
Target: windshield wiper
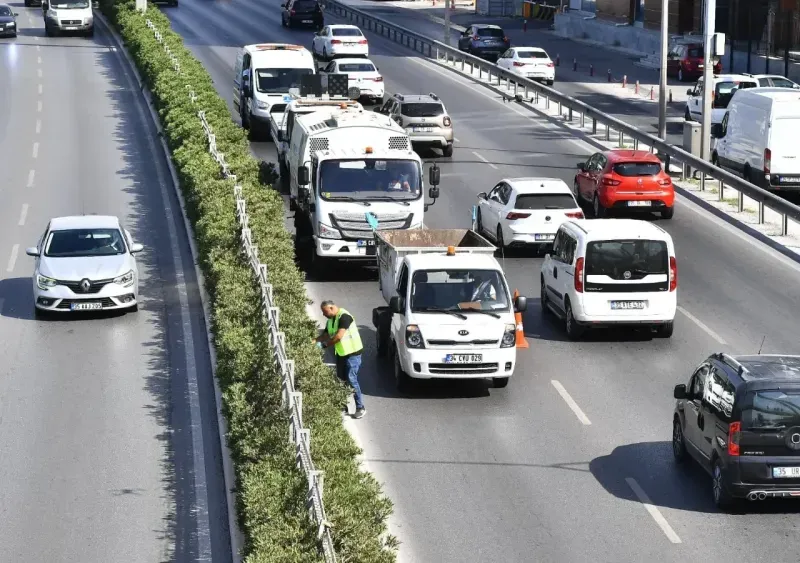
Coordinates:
(349,198)
(403,201)
(440,310)
(482,312)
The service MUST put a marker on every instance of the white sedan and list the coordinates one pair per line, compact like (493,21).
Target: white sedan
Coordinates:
(525,211)
(339,41)
(530,62)
(85,263)
(361,74)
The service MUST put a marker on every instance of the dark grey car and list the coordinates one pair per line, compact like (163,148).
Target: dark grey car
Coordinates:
(8,21)
(484,40)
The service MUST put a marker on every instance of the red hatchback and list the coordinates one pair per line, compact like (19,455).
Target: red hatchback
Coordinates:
(625,179)
(686,62)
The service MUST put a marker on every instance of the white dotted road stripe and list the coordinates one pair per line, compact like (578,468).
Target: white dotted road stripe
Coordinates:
(484,159)
(13,259)
(571,403)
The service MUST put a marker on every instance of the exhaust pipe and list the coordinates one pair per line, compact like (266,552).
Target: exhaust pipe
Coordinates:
(762,496)
(752,496)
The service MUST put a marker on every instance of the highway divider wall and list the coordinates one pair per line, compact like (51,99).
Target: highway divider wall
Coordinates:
(277,392)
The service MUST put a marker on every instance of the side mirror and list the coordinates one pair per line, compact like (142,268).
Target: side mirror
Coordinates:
(434,175)
(136,248)
(482,195)
(433,193)
(690,92)
(679,392)
(32,251)
(303,175)
(377,109)
(396,305)
(521,304)
(582,166)
(16,15)
(716,131)
(246,88)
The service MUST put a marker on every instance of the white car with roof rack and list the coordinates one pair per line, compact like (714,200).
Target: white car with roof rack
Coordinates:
(530,62)
(361,73)
(339,40)
(85,263)
(525,211)
(773,81)
(725,86)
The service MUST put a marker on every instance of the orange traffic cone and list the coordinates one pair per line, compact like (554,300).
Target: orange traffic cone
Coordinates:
(521,342)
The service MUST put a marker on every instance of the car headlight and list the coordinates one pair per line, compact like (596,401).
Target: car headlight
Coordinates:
(44,282)
(52,14)
(87,21)
(327,232)
(12,24)
(414,337)
(125,279)
(262,105)
(509,336)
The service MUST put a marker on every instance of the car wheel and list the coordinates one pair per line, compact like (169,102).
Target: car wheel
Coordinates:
(401,379)
(501,243)
(668,212)
(687,116)
(90,33)
(500,382)
(597,208)
(283,24)
(543,298)
(478,222)
(382,341)
(574,330)
(722,499)
(550,82)
(447,151)
(47,31)
(678,445)
(665,330)
(289,23)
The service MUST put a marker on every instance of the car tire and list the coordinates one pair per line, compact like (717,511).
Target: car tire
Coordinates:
(722,499)
(665,330)
(573,329)
(401,379)
(597,208)
(543,301)
(90,33)
(382,340)
(668,213)
(447,151)
(289,23)
(687,116)
(550,82)
(283,21)
(500,382)
(478,222)
(501,243)
(48,31)
(715,159)
(678,443)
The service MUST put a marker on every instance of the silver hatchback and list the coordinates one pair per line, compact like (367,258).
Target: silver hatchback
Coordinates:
(424,118)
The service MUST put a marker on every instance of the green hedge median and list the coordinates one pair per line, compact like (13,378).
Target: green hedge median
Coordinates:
(270,488)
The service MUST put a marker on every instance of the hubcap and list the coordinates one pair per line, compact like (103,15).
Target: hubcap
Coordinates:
(677,439)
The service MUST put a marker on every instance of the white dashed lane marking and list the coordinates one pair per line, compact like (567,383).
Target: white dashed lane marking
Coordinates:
(31,176)
(571,403)
(23,214)
(38,126)
(654,512)
(483,158)
(13,259)
(35,150)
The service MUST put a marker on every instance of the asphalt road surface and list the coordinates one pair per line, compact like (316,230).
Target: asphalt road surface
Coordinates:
(557,466)
(103,458)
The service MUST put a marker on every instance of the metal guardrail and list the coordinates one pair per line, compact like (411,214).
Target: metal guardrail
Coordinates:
(291,399)
(529,91)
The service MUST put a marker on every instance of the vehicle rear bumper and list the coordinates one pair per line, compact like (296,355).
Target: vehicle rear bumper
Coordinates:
(659,200)
(424,139)
(306,19)
(605,321)
(430,363)
(529,239)
(784,182)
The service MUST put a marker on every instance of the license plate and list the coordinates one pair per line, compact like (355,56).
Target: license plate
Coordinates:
(366,243)
(790,179)
(91,306)
(308,21)
(349,44)
(784,472)
(70,29)
(638,204)
(424,129)
(463,358)
(622,305)
(544,237)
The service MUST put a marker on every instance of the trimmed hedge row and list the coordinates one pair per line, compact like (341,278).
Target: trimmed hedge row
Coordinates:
(270,488)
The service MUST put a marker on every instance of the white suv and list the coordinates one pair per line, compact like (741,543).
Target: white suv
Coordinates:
(611,272)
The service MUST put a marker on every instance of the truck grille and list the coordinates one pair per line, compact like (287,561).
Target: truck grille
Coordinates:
(94,286)
(464,342)
(464,369)
(355,226)
(398,143)
(71,22)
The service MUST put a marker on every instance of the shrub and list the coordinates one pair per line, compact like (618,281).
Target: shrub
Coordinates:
(270,489)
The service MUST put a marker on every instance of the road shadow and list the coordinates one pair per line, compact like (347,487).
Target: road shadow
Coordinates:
(684,487)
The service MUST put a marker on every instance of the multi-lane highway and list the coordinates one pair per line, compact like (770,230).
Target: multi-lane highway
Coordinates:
(557,466)
(103,458)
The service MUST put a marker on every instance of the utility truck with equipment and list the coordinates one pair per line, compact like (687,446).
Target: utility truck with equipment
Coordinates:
(450,313)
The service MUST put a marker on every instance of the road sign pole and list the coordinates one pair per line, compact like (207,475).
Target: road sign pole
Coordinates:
(710,14)
(662,82)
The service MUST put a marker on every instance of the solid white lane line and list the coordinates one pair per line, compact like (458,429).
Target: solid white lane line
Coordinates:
(35,150)
(13,260)
(38,126)
(39,106)
(31,176)
(23,214)
(654,512)
(702,326)
(571,402)
(483,158)
(39,72)
(40,88)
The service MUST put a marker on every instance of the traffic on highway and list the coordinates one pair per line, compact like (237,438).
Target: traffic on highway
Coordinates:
(563,358)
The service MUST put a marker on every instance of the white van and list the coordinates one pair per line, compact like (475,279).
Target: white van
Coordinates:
(758,138)
(611,272)
(725,86)
(275,68)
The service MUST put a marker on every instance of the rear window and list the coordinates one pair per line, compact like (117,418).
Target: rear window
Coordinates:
(490,32)
(545,201)
(634,169)
(627,259)
(771,410)
(346,32)
(724,91)
(695,52)
(357,67)
(305,5)
(421,109)
(532,55)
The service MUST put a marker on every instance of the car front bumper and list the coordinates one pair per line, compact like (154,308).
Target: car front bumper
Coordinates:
(429,363)
(60,299)
(346,250)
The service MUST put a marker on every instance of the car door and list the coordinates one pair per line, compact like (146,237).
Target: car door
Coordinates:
(716,410)
(491,211)
(692,409)
(583,177)
(593,177)
(696,100)
(505,60)
(565,270)
(549,271)
(463,41)
(319,40)
(672,63)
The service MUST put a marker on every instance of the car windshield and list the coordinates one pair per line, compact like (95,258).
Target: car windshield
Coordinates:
(532,55)
(370,179)
(356,67)
(490,32)
(634,169)
(279,80)
(304,6)
(695,53)
(771,409)
(74,243)
(627,259)
(5,11)
(422,109)
(69,4)
(463,291)
(545,201)
(346,32)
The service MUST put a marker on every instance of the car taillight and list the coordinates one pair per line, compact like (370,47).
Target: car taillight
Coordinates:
(447,122)
(608,181)
(734,432)
(362,42)
(665,181)
(574,215)
(513,216)
(767,160)
(335,42)
(518,64)
(378,79)
(579,275)
(673,273)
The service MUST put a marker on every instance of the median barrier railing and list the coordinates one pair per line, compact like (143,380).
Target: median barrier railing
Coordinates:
(525,90)
(292,399)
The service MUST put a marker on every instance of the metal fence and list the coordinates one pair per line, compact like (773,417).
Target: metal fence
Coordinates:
(524,90)
(291,399)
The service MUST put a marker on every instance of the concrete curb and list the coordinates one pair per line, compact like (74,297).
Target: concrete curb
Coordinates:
(236,536)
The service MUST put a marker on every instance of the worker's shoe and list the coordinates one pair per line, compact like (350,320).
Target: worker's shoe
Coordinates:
(360,413)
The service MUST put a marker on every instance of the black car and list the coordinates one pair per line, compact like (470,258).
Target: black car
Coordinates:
(8,21)
(306,13)
(484,40)
(739,418)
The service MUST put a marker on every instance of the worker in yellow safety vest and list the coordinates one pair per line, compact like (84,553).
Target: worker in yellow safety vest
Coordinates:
(341,332)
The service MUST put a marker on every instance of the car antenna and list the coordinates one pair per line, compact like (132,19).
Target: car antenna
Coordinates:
(762,344)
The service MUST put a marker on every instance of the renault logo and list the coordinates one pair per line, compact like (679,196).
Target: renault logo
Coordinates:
(640,181)
(86,285)
(547,218)
(466,332)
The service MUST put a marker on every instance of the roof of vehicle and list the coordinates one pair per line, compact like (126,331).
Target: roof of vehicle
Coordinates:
(767,76)
(485,25)
(611,229)
(343,26)
(461,261)
(765,366)
(731,78)
(361,152)
(538,185)
(626,155)
(284,55)
(359,60)
(84,222)
(773,93)
(417,98)
(324,120)
(531,49)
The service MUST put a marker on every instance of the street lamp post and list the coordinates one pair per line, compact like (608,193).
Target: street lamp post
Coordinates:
(662,81)
(708,74)
(447,4)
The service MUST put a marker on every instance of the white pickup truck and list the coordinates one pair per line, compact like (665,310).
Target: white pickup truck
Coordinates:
(450,312)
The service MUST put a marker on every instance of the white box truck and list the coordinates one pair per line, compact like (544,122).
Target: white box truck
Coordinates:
(450,312)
